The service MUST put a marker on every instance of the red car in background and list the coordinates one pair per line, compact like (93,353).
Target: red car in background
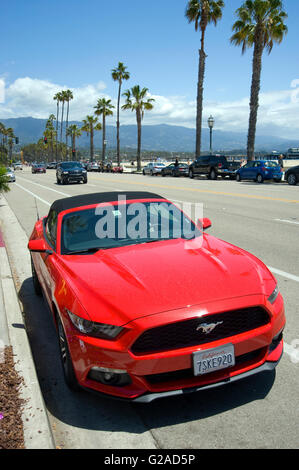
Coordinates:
(117,169)
(37,168)
(143,312)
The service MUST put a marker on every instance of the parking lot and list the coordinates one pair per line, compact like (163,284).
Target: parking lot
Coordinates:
(258,412)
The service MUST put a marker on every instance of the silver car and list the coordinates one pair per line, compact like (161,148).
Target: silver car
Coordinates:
(153,168)
(10,174)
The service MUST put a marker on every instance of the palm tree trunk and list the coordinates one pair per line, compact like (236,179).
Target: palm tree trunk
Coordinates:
(117,127)
(254,97)
(57,116)
(201,73)
(67,123)
(91,143)
(104,137)
(61,126)
(138,116)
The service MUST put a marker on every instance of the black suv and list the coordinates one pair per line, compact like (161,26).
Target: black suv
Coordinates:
(212,166)
(68,172)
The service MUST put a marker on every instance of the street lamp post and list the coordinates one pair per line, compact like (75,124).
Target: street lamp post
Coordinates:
(211,122)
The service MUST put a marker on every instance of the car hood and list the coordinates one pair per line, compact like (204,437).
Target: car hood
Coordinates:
(122,284)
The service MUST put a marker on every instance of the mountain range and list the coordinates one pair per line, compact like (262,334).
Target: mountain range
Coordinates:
(161,137)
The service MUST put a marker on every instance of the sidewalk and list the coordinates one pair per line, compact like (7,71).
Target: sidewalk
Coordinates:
(36,428)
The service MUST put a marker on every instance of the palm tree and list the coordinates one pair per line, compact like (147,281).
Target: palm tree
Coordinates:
(57,99)
(202,13)
(74,131)
(69,96)
(135,100)
(103,108)
(260,24)
(63,99)
(119,74)
(91,124)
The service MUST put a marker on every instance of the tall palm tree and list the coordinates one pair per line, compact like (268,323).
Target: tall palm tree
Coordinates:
(103,108)
(202,13)
(68,96)
(63,99)
(74,131)
(90,125)
(260,24)
(119,74)
(57,98)
(136,101)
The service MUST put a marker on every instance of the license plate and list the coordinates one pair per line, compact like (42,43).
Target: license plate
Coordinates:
(212,360)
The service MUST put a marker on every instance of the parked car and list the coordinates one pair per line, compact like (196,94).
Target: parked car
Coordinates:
(292,175)
(213,166)
(70,172)
(92,166)
(38,168)
(117,169)
(153,168)
(17,166)
(52,165)
(136,315)
(260,170)
(10,175)
(181,169)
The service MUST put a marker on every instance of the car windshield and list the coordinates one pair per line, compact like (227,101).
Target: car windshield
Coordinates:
(112,226)
(70,165)
(271,164)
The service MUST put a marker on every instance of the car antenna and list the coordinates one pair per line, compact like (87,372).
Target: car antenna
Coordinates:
(37,214)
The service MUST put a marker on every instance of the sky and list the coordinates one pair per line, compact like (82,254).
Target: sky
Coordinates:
(50,45)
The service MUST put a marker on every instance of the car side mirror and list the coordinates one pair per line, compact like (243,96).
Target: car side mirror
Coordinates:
(204,223)
(38,246)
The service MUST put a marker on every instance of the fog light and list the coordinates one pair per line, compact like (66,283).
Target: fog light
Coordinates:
(106,376)
(275,341)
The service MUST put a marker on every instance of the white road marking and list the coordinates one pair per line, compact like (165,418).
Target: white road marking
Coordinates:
(284,274)
(33,194)
(287,221)
(46,187)
(292,350)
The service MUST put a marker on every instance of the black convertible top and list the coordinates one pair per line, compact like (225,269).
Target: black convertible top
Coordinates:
(97,198)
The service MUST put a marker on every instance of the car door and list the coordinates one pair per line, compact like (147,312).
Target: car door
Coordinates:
(247,171)
(169,169)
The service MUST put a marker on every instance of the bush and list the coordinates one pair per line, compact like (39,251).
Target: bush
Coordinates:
(4,186)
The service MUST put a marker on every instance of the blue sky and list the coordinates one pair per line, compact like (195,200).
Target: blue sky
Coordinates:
(50,45)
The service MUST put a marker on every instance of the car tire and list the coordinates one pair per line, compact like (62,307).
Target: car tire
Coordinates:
(85,181)
(259,178)
(36,284)
(66,361)
(291,179)
(143,172)
(213,174)
(57,180)
(151,173)
(191,174)
(238,177)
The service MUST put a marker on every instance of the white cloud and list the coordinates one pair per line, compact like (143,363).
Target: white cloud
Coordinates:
(278,109)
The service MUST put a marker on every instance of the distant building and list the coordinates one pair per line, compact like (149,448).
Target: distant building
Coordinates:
(293,154)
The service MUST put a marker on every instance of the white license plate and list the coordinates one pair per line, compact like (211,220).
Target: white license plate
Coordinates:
(211,360)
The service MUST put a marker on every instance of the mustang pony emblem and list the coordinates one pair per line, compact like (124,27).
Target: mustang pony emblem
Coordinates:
(208,327)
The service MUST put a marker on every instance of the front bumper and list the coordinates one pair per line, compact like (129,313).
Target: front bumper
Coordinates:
(170,372)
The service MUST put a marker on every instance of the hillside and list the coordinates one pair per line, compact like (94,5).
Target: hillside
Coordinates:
(155,137)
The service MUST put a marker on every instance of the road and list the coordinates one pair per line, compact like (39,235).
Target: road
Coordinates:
(260,412)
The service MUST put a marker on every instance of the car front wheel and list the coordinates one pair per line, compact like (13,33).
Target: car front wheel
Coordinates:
(238,177)
(191,175)
(67,364)
(260,178)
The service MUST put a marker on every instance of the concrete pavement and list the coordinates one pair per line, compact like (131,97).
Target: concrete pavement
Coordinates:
(36,427)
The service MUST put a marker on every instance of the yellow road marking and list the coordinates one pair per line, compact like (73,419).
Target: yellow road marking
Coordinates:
(206,191)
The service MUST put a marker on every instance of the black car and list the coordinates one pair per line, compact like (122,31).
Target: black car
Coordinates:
(213,166)
(70,172)
(181,169)
(292,175)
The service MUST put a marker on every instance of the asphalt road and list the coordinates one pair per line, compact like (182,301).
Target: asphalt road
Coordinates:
(260,412)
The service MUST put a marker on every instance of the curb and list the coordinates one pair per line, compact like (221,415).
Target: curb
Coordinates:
(36,426)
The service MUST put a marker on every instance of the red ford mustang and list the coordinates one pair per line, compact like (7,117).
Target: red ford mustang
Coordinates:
(146,304)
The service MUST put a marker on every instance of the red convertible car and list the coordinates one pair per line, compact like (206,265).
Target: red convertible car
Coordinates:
(148,305)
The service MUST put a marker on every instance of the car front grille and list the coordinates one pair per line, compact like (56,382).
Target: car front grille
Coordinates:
(190,333)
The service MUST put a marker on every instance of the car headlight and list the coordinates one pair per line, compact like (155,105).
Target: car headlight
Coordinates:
(274,295)
(65,172)
(97,330)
